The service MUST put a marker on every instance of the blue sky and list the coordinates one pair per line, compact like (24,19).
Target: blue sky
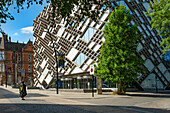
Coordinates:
(21,28)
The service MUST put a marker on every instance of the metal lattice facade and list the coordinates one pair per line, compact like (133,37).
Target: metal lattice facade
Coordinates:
(81,43)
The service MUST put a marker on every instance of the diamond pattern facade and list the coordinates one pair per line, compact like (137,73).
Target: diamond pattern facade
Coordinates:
(81,43)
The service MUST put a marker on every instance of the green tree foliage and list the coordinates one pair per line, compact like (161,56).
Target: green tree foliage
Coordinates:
(118,60)
(160,13)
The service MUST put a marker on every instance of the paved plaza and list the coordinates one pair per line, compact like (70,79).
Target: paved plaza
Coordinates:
(47,101)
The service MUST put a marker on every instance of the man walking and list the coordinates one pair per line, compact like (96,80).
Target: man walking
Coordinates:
(22,90)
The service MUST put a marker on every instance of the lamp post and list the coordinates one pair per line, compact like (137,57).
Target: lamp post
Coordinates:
(14,58)
(56,60)
(6,75)
(92,86)
(92,73)
(56,66)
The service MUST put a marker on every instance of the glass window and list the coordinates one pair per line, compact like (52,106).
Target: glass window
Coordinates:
(2,67)
(102,27)
(19,57)
(67,25)
(1,55)
(112,4)
(83,19)
(124,4)
(29,57)
(72,23)
(104,6)
(118,2)
(29,68)
(80,59)
(19,68)
(88,34)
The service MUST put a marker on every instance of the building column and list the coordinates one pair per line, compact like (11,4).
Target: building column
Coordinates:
(99,85)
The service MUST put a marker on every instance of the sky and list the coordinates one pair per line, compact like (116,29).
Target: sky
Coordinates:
(20,29)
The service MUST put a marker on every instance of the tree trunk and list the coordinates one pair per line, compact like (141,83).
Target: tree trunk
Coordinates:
(120,86)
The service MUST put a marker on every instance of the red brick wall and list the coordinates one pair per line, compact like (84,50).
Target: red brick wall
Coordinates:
(28,49)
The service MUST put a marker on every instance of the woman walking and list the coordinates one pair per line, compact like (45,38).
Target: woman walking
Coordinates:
(22,90)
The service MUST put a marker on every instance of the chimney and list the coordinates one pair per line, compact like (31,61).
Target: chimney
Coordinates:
(6,37)
(9,39)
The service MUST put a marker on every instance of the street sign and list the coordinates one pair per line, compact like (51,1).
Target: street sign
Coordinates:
(9,70)
(92,69)
(92,73)
(22,72)
(61,60)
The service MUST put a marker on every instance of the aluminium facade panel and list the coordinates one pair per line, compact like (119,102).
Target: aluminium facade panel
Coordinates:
(81,41)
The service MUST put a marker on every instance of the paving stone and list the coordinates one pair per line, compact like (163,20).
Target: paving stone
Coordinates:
(47,101)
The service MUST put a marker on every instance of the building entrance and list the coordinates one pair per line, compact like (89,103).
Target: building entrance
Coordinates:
(79,82)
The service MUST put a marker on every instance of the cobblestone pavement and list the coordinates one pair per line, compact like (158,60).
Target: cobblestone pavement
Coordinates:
(47,101)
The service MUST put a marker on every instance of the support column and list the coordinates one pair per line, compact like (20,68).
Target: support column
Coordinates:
(99,85)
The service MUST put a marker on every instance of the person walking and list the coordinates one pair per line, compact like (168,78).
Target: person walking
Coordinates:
(22,90)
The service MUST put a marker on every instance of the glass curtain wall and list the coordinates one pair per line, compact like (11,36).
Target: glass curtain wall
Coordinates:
(77,83)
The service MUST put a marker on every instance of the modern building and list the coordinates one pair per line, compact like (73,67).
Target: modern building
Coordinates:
(81,41)
(16,62)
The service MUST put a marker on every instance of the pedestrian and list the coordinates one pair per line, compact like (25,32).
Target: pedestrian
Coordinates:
(22,90)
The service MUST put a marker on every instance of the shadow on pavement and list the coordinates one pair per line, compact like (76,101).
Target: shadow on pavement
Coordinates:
(8,94)
(36,95)
(151,95)
(54,108)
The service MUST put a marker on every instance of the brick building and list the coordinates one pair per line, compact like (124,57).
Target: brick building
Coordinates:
(16,61)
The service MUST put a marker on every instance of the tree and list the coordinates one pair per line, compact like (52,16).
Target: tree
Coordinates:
(160,13)
(61,8)
(118,61)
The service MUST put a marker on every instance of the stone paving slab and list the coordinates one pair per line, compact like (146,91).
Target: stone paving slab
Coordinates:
(134,102)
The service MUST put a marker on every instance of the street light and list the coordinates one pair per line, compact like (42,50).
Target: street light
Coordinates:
(55,57)
(56,65)
(6,74)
